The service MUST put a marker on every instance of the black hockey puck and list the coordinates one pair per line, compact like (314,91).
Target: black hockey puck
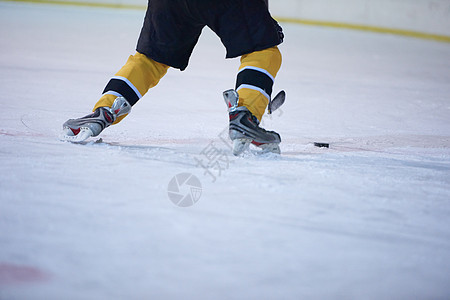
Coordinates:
(322,145)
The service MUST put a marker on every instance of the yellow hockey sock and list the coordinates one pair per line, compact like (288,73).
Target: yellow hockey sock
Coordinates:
(255,79)
(134,79)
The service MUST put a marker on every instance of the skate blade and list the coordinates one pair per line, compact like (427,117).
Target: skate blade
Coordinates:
(270,148)
(83,135)
(240,145)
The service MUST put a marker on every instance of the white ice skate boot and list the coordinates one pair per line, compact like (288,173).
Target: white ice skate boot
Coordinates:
(244,128)
(79,130)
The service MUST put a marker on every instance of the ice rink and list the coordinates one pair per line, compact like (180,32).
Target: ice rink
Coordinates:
(367,218)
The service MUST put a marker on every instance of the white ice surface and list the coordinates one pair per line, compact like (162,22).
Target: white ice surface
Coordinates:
(366,219)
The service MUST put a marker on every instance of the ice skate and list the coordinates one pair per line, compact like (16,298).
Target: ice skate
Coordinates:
(79,130)
(244,128)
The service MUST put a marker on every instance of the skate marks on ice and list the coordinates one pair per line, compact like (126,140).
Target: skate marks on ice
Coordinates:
(184,151)
(25,128)
(34,127)
(388,144)
(43,126)
(16,133)
(168,150)
(36,123)
(187,152)
(147,149)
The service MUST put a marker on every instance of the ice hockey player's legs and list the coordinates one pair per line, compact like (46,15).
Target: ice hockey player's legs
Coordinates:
(366,218)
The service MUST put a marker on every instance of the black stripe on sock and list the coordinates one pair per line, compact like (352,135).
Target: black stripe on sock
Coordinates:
(121,87)
(255,78)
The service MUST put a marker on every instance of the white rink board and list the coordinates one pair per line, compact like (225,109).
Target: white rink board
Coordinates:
(425,16)
(416,15)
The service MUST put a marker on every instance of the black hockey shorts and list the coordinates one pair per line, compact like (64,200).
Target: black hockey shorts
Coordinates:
(172,28)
